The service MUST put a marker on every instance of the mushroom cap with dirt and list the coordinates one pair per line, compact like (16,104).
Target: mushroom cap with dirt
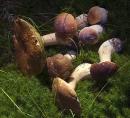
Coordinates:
(29,48)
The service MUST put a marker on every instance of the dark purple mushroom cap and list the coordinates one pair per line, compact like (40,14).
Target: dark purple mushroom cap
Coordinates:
(65,27)
(59,66)
(66,97)
(88,36)
(101,71)
(96,15)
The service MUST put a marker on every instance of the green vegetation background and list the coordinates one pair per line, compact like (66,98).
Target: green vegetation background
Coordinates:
(24,97)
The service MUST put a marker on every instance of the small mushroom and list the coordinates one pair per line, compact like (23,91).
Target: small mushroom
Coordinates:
(106,68)
(81,21)
(66,97)
(91,34)
(29,48)
(97,15)
(65,27)
(60,65)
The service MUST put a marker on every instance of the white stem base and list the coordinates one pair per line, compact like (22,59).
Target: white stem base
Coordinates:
(105,51)
(71,55)
(83,70)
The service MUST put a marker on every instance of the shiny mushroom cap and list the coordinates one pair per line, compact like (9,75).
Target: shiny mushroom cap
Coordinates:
(65,27)
(101,71)
(29,49)
(59,66)
(96,15)
(88,36)
(66,97)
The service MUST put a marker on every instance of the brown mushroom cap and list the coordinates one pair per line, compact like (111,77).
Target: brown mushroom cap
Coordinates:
(97,15)
(101,71)
(66,97)
(88,36)
(65,26)
(59,66)
(29,50)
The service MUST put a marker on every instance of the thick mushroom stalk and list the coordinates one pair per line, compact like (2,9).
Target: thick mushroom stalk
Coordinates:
(80,72)
(97,15)
(61,65)
(106,68)
(29,48)
(91,34)
(66,96)
(108,47)
(50,39)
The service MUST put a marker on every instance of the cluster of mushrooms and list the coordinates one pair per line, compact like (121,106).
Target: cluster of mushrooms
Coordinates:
(86,28)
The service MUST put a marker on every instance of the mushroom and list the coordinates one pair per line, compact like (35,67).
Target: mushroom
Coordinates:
(106,68)
(91,34)
(61,65)
(65,27)
(97,15)
(29,48)
(66,97)
(81,21)
(66,31)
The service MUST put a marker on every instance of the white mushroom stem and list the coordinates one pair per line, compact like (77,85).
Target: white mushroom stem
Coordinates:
(71,55)
(50,39)
(83,70)
(105,51)
(108,47)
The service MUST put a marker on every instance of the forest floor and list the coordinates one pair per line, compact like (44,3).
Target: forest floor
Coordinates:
(25,97)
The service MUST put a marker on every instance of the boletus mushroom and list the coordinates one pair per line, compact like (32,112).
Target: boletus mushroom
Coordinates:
(60,65)
(91,34)
(97,15)
(65,27)
(106,68)
(29,48)
(66,97)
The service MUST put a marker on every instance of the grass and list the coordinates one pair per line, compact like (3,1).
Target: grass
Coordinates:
(24,97)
